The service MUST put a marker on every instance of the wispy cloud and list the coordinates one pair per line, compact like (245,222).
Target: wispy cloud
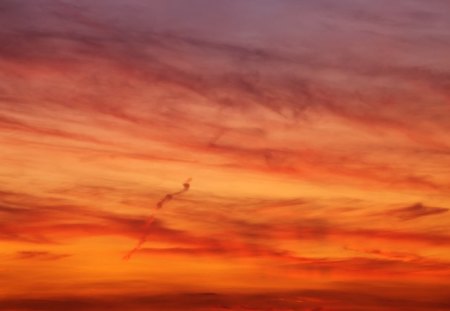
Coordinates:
(416,211)
(168,197)
(39,255)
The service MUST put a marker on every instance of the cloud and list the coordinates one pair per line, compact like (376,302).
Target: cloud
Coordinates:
(276,99)
(417,210)
(39,255)
(346,298)
(225,81)
(394,255)
(368,268)
(150,219)
(49,221)
(216,249)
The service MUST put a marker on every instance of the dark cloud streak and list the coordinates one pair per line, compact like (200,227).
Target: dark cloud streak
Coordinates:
(415,211)
(40,255)
(150,220)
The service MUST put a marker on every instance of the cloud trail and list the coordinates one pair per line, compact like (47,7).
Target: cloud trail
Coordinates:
(40,255)
(416,211)
(168,197)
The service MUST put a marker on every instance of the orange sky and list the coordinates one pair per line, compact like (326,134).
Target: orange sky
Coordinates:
(316,134)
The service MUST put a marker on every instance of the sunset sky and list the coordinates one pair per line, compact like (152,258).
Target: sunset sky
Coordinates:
(316,134)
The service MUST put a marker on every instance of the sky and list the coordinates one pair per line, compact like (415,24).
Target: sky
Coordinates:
(316,135)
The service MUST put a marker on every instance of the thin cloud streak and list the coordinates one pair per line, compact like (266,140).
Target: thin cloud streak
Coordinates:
(417,210)
(159,205)
(39,255)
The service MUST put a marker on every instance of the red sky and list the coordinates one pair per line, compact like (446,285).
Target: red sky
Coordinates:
(316,134)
